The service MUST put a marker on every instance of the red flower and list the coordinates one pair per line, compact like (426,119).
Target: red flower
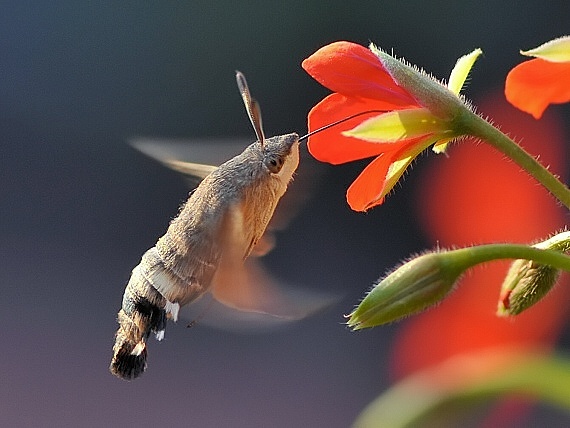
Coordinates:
(533,85)
(403,119)
(361,83)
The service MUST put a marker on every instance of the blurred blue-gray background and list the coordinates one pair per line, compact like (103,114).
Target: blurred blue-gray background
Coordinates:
(79,206)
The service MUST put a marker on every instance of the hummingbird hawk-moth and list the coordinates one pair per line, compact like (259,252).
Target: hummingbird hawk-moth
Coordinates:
(204,247)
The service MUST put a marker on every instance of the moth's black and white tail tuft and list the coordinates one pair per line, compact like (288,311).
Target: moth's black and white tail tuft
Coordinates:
(143,312)
(129,360)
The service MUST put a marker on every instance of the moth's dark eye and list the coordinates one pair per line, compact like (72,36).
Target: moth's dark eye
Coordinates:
(274,164)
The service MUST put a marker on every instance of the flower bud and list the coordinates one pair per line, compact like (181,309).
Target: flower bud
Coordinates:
(414,286)
(527,281)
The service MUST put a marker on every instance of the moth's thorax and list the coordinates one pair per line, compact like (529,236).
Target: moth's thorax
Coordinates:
(245,183)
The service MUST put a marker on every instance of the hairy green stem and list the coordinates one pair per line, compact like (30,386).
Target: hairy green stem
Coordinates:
(472,256)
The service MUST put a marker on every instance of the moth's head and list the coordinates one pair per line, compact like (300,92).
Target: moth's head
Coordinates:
(281,155)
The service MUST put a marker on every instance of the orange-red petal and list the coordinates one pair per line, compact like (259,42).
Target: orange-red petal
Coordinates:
(353,70)
(330,145)
(380,176)
(533,85)
(366,191)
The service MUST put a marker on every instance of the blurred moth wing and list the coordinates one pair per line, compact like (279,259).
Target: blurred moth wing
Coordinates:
(194,159)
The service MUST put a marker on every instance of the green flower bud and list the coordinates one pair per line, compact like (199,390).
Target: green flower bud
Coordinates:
(411,288)
(527,281)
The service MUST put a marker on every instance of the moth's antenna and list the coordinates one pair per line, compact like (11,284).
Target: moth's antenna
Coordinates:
(251,106)
(338,122)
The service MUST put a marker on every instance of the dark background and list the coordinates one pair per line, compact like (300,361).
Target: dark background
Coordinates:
(78,206)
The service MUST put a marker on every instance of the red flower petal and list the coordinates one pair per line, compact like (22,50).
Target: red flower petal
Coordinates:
(353,70)
(364,193)
(532,85)
(330,145)
(369,188)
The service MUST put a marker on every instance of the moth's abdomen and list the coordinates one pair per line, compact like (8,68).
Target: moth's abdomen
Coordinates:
(144,311)
(171,274)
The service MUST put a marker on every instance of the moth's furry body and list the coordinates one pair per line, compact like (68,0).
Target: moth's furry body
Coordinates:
(216,228)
